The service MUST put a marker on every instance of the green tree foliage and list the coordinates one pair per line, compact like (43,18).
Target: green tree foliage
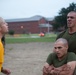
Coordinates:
(11,32)
(60,20)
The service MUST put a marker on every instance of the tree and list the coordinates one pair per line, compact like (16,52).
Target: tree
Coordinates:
(60,20)
(11,32)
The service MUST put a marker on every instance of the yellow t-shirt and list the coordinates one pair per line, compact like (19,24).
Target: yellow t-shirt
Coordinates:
(1,54)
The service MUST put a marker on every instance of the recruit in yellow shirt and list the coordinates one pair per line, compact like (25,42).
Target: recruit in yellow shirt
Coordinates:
(1,54)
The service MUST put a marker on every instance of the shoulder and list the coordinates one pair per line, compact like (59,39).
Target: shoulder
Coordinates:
(61,34)
(71,56)
(0,41)
(52,54)
(50,58)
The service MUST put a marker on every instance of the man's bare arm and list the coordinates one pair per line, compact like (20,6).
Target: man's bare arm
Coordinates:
(66,69)
(47,69)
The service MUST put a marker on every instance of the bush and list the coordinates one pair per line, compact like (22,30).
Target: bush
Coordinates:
(11,32)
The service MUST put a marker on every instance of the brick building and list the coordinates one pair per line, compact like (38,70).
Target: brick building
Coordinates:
(35,24)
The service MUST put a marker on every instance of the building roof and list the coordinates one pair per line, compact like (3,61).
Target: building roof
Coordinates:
(50,19)
(45,25)
(34,18)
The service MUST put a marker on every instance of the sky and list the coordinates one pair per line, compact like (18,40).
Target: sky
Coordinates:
(11,9)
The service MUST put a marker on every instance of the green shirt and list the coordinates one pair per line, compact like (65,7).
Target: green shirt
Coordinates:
(53,60)
(71,38)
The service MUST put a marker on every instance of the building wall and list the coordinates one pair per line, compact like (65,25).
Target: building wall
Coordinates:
(27,26)
(24,27)
(42,21)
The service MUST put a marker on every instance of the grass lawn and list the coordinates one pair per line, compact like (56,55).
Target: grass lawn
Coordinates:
(23,38)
